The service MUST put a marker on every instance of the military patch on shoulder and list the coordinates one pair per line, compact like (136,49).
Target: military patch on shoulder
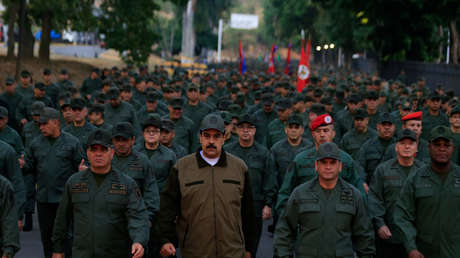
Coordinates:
(118,189)
(79,188)
(346,195)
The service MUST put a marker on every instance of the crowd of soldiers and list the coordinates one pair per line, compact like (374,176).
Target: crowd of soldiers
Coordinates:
(137,163)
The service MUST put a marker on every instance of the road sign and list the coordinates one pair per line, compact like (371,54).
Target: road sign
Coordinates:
(244,21)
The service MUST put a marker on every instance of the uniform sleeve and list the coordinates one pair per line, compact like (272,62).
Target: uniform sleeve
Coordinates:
(79,154)
(248,217)
(405,215)
(361,159)
(15,176)
(151,193)
(29,158)
(21,110)
(362,232)
(8,221)
(269,182)
(286,230)
(286,188)
(390,153)
(63,217)
(136,214)
(170,203)
(376,200)
(274,169)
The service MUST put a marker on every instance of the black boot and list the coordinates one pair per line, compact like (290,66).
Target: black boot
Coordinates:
(28,224)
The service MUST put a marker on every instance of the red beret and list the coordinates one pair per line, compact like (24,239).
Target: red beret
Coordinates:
(412,116)
(321,120)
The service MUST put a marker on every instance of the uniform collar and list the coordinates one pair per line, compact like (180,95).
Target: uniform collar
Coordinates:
(202,163)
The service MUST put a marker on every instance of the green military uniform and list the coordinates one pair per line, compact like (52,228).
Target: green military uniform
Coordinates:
(52,92)
(90,86)
(104,126)
(25,92)
(178,150)
(9,168)
(107,218)
(184,132)
(123,113)
(161,159)
(30,131)
(81,132)
(423,152)
(196,113)
(263,119)
(373,121)
(333,223)
(10,136)
(143,113)
(427,213)
(456,153)
(13,101)
(352,141)
(302,170)
(65,85)
(371,155)
(344,121)
(24,109)
(429,122)
(9,233)
(275,132)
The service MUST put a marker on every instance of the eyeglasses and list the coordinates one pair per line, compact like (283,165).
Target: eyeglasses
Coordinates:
(208,136)
(153,131)
(246,127)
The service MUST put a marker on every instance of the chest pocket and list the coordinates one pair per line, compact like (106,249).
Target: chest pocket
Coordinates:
(64,152)
(256,162)
(309,215)
(423,192)
(373,160)
(80,200)
(137,173)
(345,214)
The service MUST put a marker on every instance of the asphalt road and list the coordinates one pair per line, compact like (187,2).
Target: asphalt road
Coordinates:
(31,246)
(78,50)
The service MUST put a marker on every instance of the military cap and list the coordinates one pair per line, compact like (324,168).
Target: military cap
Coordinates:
(404,91)
(176,103)
(152,97)
(246,118)
(192,86)
(314,79)
(213,121)
(455,110)
(441,132)
(234,89)
(434,95)
(372,95)
(63,71)
(354,98)
(234,108)
(326,101)
(9,81)
(46,71)
(139,79)
(283,104)
(47,114)
(113,93)
(266,90)
(96,108)
(385,118)
(125,88)
(167,125)
(321,120)
(257,95)
(267,99)
(317,108)
(65,102)
(210,84)
(227,116)
(78,103)
(100,137)
(328,150)
(25,74)
(308,99)
(100,97)
(360,113)
(406,106)
(295,119)
(36,108)
(223,103)
(152,120)
(40,85)
(317,93)
(3,112)
(340,94)
(412,116)
(124,130)
(407,133)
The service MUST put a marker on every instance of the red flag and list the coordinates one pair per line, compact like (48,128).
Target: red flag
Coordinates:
(288,60)
(271,64)
(303,72)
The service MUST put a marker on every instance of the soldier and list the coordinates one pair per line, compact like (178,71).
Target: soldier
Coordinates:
(120,111)
(229,137)
(454,121)
(404,109)
(353,140)
(66,110)
(264,117)
(51,90)
(412,121)
(64,83)
(302,168)
(91,84)
(428,208)
(12,98)
(96,117)
(433,115)
(388,179)
(345,117)
(371,153)
(9,233)
(161,158)
(8,134)
(23,110)
(193,108)
(53,157)
(106,208)
(127,96)
(151,106)
(256,157)
(25,86)
(167,135)
(331,214)
(372,104)
(184,135)
(209,195)
(80,127)
(277,126)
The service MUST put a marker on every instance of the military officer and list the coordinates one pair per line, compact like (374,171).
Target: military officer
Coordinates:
(277,126)
(352,141)
(345,117)
(12,98)
(372,104)
(167,135)
(53,157)
(119,111)
(264,117)
(194,108)
(25,86)
(388,179)
(80,127)
(184,134)
(23,109)
(428,208)
(96,117)
(8,134)
(302,168)
(9,233)
(106,207)
(256,157)
(51,90)
(326,216)
(433,115)
(151,106)
(91,84)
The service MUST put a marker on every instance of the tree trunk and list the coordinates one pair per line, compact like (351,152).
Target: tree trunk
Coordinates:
(441,45)
(44,51)
(188,32)
(455,44)
(29,40)
(12,16)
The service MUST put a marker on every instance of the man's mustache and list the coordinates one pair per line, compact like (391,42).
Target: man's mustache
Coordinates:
(211,146)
